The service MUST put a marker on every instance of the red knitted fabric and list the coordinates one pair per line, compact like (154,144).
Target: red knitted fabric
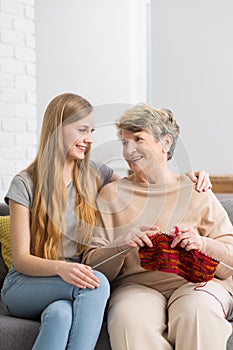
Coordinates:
(192,265)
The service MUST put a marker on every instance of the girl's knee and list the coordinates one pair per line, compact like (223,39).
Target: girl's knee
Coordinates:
(60,311)
(104,286)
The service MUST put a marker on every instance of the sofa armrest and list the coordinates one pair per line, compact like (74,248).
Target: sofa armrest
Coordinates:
(228,206)
(4,209)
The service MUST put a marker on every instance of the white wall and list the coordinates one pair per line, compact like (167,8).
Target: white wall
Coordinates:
(17,89)
(192,74)
(98,49)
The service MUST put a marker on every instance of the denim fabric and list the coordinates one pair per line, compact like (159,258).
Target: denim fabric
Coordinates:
(71,317)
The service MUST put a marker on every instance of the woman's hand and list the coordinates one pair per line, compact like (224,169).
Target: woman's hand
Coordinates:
(80,275)
(188,238)
(201,179)
(140,239)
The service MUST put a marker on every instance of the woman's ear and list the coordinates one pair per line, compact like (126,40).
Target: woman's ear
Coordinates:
(167,141)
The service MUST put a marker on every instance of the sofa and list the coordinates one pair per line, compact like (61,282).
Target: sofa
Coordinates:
(18,334)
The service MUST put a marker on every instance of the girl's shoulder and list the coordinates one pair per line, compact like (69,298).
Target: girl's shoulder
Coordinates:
(21,189)
(104,171)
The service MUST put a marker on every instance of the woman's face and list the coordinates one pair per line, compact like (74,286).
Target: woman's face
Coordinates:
(141,150)
(77,137)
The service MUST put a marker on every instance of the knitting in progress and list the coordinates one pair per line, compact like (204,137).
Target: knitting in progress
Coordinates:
(192,265)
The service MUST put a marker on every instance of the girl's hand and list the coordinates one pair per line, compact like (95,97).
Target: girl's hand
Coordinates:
(202,180)
(143,239)
(80,275)
(188,238)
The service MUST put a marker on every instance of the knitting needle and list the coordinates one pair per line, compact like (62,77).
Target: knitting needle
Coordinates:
(229,267)
(111,257)
(126,250)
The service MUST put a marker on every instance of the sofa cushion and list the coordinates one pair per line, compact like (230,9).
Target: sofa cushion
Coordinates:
(17,333)
(5,239)
(3,268)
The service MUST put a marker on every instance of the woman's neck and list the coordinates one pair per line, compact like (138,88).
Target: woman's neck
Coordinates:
(161,175)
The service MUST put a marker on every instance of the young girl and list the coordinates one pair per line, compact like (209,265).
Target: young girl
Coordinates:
(52,208)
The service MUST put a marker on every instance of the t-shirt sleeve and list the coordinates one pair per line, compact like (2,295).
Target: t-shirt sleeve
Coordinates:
(105,173)
(19,191)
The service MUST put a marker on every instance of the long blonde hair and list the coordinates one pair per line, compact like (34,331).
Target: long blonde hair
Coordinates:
(50,196)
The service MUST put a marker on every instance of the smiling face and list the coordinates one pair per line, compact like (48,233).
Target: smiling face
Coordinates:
(141,150)
(77,137)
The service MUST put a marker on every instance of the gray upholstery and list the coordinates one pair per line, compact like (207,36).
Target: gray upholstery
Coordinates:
(18,334)
(228,205)
(4,209)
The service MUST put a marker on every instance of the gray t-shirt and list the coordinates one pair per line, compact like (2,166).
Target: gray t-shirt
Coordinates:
(22,191)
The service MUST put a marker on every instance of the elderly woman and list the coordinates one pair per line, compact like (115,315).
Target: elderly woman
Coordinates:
(156,309)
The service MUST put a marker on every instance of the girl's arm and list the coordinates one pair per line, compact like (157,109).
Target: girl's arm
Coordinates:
(24,262)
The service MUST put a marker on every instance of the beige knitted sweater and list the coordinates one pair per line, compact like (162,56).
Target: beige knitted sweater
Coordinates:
(124,204)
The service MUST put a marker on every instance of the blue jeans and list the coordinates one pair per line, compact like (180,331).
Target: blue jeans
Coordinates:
(71,317)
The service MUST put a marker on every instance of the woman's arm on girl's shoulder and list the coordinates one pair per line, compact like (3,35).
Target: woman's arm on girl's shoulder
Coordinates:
(24,262)
(201,179)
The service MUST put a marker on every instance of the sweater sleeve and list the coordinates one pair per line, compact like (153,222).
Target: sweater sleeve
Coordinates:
(108,248)
(105,255)
(217,235)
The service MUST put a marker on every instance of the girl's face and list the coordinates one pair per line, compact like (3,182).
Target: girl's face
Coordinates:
(141,150)
(77,137)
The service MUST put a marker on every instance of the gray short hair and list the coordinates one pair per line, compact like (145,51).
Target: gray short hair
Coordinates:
(159,122)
